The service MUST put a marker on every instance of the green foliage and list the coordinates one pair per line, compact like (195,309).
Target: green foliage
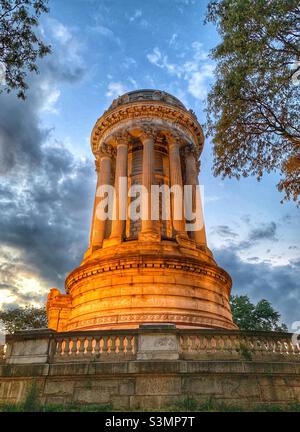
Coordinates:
(56,408)
(187,404)
(253,107)
(211,405)
(20,46)
(261,316)
(25,318)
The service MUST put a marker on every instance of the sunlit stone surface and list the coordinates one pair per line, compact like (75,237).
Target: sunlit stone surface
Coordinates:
(138,272)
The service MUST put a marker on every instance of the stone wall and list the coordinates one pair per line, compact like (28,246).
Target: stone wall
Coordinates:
(153,384)
(152,368)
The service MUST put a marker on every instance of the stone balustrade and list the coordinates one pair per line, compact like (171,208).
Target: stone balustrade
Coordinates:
(149,342)
(222,345)
(104,345)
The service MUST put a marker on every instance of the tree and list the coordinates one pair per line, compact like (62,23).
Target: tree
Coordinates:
(25,318)
(20,47)
(253,106)
(261,316)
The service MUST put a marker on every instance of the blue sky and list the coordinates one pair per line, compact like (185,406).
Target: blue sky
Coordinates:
(100,50)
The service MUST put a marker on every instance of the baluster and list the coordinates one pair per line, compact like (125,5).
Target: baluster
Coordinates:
(97,345)
(237,344)
(133,344)
(213,344)
(228,345)
(278,347)
(59,347)
(117,345)
(259,348)
(204,343)
(63,347)
(109,344)
(88,345)
(113,344)
(125,345)
(70,346)
(93,345)
(80,345)
(105,345)
(219,344)
(121,344)
(101,344)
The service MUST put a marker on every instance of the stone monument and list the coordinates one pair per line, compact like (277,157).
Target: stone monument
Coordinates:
(145,321)
(145,271)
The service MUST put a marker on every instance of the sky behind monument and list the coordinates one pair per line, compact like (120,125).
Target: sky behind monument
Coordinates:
(102,49)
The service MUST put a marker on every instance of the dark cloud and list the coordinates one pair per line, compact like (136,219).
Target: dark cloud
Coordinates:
(224,231)
(46,193)
(266,231)
(258,280)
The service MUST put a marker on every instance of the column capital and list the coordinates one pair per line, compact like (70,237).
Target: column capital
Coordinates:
(175,140)
(106,150)
(122,138)
(189,150)
(149,131)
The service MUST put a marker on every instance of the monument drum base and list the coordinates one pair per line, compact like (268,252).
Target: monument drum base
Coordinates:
(134,283)
(154,367)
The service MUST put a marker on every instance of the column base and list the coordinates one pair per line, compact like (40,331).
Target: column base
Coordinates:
(149,236)
(112,241)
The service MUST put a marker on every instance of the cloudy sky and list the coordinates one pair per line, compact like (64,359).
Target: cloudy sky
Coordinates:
(101,49)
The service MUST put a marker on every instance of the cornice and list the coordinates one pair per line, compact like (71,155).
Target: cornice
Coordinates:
(147,110)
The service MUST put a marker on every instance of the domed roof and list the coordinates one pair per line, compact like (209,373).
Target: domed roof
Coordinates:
(146,95)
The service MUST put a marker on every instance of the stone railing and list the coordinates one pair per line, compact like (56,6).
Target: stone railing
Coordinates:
(112,345)
(209,344)
(149,342)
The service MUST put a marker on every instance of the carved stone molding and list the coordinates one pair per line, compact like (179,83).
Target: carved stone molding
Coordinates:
(149,130)
(174,117)
(155,317)
(216,273)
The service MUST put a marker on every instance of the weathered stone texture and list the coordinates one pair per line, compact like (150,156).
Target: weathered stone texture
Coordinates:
(147,387)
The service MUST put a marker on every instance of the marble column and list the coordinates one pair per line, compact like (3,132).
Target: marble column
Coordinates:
(176,182)
(103,169)
(149,230)
(192,179)
(120,202)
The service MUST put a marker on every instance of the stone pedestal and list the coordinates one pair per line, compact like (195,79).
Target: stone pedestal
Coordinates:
(153,367)
(157,343)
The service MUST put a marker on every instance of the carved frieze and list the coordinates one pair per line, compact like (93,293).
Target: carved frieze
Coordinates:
(175,118)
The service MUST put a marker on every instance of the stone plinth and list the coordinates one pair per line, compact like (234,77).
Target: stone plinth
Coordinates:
(237,368)
(157,343)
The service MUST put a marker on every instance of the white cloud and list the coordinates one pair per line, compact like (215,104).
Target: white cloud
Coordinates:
(50,95)
(161,61)
(129,62)
(106,32)
(173,40)
(60,32)
(137,14)
(197,83)
(197,71)
(115,89)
